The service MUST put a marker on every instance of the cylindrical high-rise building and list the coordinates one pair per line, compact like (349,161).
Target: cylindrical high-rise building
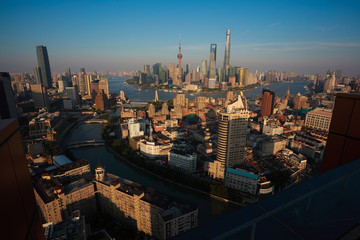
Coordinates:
(227,51)
(231,138)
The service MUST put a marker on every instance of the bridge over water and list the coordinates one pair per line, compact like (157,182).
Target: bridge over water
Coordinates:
(96,121)
(132,104)
(86,144)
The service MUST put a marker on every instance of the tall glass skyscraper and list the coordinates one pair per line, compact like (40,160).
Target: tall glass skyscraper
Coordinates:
(68,76)
(37,73)
(227,51)
(44,65)
(204,69)
(212,68)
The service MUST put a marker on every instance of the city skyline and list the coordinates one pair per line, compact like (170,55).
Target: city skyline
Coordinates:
(284,36)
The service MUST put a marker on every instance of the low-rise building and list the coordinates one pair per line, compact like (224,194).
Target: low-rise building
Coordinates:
(272,130)
(39,125)
(319,118)
(57,202)
(269,146)
(242,178)
(182,161)
(151,212)
(136,127)
(153,149)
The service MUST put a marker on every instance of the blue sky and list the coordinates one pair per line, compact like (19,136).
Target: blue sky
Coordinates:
(303,36)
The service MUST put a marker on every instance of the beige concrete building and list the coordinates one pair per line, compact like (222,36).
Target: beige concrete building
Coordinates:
(270,146)
(149,211)
(242,179)
(300,102)
(231,137)
(319,118)
(180,99)
(59,191)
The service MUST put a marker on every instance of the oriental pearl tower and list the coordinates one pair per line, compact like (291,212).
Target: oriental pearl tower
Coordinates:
(179,72)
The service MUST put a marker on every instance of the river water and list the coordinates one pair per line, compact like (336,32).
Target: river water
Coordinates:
(116,84)
(209,208)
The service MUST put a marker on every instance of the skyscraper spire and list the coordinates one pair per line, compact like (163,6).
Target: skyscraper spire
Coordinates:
(227,51)
(178,70)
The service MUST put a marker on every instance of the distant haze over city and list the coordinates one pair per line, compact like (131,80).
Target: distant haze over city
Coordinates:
(304,37)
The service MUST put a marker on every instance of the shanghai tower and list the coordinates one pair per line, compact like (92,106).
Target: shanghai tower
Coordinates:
(44,65)
(227,51)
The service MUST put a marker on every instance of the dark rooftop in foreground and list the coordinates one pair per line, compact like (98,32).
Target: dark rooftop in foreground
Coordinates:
(324,207)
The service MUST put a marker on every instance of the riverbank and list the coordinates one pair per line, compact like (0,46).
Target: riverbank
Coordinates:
(210,208)
(174,90)
(173,182)
(166,173)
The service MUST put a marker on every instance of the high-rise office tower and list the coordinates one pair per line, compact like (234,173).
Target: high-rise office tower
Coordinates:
(61,85)
(243,75)
(37,74)
(227,51)
(73,94)
(267,102)
(156,69)
(104,84)
(338,76)
(100,100)
(88,80)
(172,70)
(20,213)
(82,84)
(39,95)
(68,75)
(204,69)
(212,69)
(82,70)
(7,100)
(329,82)
(166,71)
(231,137)
(44,65)
(187,68)
(146,69)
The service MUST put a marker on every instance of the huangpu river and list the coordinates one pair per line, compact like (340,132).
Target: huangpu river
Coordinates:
(209,208)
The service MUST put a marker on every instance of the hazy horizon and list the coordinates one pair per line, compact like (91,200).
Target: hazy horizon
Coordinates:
(305,37)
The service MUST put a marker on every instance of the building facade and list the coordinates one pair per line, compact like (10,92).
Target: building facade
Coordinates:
(149,211)
(242,180)
(227,51)
(44,65)
(231,137)
(267,102)
(182,161)
(319,118)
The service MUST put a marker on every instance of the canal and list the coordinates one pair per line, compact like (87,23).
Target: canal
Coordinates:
(209,208)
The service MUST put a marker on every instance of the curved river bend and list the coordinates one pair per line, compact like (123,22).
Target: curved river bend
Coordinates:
(209,208)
